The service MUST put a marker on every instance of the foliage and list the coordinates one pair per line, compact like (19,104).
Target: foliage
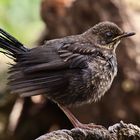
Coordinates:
(21,18)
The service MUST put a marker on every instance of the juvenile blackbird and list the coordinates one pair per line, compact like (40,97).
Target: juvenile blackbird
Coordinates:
(73,70)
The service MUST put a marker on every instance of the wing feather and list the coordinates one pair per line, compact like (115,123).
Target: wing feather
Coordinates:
(44,69)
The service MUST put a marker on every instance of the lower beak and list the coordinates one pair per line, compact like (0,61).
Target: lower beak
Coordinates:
(125,34)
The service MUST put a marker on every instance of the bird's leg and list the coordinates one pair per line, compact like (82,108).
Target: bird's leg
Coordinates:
(70,116)
(76,122)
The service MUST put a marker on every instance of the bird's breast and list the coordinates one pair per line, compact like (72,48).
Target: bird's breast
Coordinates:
(103,72)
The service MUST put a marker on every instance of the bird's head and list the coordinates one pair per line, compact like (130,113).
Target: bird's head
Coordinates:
(107,35)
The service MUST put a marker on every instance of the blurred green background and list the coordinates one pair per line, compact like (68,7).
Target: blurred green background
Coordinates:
(21,18)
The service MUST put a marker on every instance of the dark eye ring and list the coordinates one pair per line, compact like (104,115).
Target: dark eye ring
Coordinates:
(109,34)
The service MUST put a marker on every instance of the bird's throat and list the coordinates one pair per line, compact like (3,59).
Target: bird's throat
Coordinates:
(111,46)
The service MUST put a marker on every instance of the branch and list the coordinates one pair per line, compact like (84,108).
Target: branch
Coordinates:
(119,131)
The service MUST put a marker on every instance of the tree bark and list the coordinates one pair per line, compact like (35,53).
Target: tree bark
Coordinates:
(120,131)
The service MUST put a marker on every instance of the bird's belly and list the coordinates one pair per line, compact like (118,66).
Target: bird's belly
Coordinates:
(85,88)
(101,82)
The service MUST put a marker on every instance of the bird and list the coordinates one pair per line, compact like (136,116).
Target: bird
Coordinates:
(70,71)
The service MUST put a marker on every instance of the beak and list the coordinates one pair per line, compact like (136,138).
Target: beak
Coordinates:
(125,34)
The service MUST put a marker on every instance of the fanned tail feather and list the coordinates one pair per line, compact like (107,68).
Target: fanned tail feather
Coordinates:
(35,70)
(11,45)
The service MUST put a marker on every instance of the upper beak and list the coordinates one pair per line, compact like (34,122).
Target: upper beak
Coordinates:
(125,34)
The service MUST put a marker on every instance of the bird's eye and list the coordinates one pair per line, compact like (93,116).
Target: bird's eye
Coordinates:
(109,34)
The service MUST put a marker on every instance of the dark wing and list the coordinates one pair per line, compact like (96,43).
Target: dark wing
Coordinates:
(76,54)
(45,69)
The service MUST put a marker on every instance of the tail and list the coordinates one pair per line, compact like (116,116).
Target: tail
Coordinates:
(12,47)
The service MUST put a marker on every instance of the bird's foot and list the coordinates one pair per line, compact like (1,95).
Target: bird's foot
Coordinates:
(78,124)
(90,126)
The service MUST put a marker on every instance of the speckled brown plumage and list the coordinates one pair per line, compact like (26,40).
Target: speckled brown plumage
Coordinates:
(70,71)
